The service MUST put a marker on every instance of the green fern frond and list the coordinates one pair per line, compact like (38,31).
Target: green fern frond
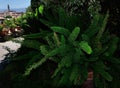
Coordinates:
(75,74)
(62,17)
(113,45)
(39,63)
(73,36)
(100,68)
(94,27)
(98,82)
(56,72)
(50,42)
(44,49)
(57,51)
(85,47)
(61,30)
(36,35)
(66,61)
(65,78)
(34,59)
(77,55)
(106,75)
(34,66)
(84,73)
(63,40)
(56,38)
(103,25)
(34,44)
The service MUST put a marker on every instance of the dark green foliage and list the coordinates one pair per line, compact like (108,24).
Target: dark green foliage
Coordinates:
(35,4)
(61,30)
(75,57)
(63,48)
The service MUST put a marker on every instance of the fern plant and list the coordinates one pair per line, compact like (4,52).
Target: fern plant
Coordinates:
(76,53)
(64,48)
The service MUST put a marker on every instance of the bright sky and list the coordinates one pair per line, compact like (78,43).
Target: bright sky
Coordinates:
(14,3)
